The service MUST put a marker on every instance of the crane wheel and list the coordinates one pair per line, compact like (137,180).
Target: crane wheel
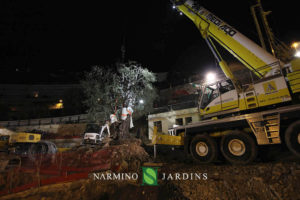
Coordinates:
(203,149)
(238,148)
(292,138)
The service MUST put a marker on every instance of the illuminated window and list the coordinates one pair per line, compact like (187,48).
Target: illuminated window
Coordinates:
(57,106)
(35,94)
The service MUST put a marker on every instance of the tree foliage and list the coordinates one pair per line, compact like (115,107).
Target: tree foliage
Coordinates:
(107,90)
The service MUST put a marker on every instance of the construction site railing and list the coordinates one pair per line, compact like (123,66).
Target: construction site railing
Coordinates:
(46,121)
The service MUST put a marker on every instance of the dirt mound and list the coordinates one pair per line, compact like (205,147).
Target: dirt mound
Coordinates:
(273,180)
(258,181)
(124,155)
(91,190)
(8,161)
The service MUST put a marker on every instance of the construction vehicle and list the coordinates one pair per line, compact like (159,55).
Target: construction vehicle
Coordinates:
(91,134)
(235,114)
(268,85)
(4,142)
(26,144)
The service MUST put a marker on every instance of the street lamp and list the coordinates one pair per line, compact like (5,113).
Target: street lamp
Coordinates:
(141,101)
(296,46)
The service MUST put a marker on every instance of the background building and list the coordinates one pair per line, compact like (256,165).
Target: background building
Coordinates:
(22,101)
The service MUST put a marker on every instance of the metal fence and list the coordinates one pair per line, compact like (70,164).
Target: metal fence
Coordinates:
(83,118)
(46,121)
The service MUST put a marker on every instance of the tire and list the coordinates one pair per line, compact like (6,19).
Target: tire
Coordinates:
(203,149)
(292,138)
(238,148)
(42,148)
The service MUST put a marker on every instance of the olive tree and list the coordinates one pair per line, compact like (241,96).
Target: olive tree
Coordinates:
(108,90)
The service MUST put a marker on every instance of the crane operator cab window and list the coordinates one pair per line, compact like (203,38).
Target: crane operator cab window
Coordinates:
(211,92)
(219,96)
(226,86)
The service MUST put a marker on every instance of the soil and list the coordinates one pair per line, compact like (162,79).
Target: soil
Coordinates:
(276,179)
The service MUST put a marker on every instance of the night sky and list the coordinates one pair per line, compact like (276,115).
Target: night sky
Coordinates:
(71,36)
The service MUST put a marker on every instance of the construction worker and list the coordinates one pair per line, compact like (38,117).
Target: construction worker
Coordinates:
(114,124)
(126,121)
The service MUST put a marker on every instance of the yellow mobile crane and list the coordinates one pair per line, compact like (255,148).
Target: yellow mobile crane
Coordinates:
(242,115)
(271,86)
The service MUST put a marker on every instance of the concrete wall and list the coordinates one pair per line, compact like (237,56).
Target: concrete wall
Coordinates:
(59,129)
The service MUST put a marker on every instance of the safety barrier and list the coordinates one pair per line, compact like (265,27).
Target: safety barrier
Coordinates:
(46,169)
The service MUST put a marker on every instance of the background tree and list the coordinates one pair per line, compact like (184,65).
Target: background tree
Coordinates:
(72,101)
(107,90)
(98,90)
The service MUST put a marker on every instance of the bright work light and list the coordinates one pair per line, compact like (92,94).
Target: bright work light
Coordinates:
(210,77)
(296,46)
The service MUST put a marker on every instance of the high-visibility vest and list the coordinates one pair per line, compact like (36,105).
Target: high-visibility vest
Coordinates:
(113,118)
(130,111)
(125,112)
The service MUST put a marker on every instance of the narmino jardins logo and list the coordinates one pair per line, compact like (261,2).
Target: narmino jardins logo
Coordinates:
(149,176)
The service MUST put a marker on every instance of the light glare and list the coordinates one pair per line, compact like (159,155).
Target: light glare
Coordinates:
(210,77)
(295,44)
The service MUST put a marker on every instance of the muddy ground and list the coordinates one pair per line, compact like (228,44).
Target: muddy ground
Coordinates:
(274,176)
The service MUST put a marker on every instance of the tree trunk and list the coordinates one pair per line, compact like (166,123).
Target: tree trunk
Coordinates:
(124,128)
(114,129)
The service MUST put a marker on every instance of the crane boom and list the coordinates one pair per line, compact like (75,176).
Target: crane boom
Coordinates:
(255,58)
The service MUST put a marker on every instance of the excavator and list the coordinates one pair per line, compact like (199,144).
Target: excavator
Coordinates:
(15,145)
(239,115)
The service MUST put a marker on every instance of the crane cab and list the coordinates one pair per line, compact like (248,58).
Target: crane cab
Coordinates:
(218,96)
(223,96)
